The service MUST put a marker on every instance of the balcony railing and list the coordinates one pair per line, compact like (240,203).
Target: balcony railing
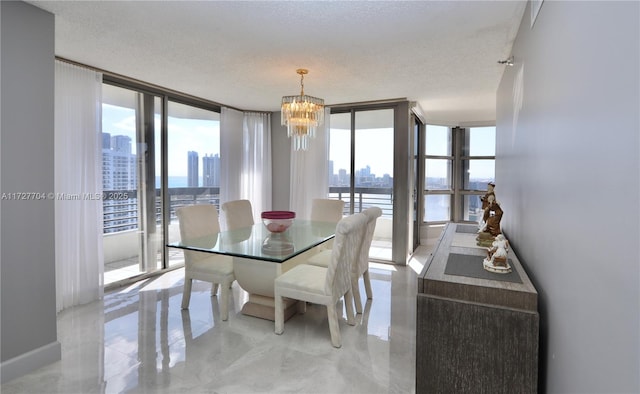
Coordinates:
(121,214)
(365,197)
(121,236)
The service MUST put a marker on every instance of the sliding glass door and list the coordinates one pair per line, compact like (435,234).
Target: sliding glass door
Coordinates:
(132,219)
(193,165)
(361,167)
(159,153)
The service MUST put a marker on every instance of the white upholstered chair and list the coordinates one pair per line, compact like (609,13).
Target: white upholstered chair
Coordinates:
(326,210)
(360,265)
(325,286)
(237,214)
(198,221)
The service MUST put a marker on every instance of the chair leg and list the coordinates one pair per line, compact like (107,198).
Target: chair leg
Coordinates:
(356,293)
(348,300)
(367,284)
(224,302)
(279,314)
(186,293)
(334,327)
(214,289)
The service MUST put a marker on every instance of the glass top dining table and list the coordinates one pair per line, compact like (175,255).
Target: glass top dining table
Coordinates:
(256,242)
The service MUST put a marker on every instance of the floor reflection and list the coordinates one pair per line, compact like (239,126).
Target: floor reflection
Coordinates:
(139,340)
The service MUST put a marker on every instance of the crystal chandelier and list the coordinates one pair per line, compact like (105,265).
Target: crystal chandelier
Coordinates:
(302,114)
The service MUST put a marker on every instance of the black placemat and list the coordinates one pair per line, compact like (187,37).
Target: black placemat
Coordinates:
(467,229)
(471,266)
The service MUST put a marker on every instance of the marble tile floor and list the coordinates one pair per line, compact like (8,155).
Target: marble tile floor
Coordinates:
(122,270)
(138,340)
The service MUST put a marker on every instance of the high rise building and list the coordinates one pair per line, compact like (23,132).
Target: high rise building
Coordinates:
(118,173)
(343,177)
(106,141)
(211,171)
(121,143)
(332,179)
(118,163)
(192,170)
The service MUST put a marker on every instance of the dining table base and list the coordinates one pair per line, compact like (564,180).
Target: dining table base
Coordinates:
(257,278)
(264,311)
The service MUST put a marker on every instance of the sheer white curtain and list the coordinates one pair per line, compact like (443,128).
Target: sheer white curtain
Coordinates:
(256,161)
(78,185)
(230,154)
(310,171)
(245,158)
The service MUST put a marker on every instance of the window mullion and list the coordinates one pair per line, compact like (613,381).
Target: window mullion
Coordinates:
(458,171)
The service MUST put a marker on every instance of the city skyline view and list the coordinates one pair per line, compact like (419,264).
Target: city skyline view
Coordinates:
(184,134)
(208,171)
(373,155)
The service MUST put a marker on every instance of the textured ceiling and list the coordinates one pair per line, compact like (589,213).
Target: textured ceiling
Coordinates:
(441,54)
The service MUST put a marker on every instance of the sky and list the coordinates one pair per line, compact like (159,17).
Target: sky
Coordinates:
(184,135)
(482,143)
(374,147)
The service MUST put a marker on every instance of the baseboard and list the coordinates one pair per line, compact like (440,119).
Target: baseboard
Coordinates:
(30,361)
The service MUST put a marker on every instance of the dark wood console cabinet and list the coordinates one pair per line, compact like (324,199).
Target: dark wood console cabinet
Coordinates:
(477,331)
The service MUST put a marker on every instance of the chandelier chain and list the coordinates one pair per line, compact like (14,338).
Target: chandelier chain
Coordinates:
(302,71)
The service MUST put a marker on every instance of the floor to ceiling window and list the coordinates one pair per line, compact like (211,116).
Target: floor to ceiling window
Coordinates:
(478,169)
(361,166)
(438,174)
(459,163)
(158,154)
(133,239)
(193,165)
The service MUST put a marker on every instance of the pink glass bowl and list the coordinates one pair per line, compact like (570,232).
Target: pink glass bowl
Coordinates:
(278,221)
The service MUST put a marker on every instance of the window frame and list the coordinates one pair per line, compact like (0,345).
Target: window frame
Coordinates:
(165,96)
(460,162)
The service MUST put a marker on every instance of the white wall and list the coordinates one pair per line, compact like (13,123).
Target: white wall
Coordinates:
(568,177)
(28,324)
